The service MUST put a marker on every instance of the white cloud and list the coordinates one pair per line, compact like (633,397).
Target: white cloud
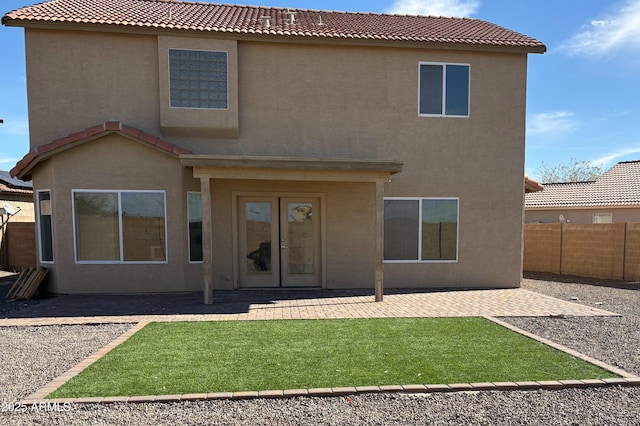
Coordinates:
(550,124)
(603,36)
(458,8)
(614,156)
(10,162)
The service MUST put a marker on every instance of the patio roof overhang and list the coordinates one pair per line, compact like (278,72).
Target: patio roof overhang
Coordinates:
(208,167)
(290,168)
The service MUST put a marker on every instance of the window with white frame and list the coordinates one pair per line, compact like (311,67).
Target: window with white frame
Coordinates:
(194,213)
(198,79)
(119,226)
(421,229)
(444,89)
(45,226)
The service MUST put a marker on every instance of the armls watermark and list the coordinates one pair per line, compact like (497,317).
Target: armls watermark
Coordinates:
(44,406)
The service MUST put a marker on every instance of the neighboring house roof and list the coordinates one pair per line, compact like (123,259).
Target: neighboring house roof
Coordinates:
(619,186)
(531,185)
(9,185)
(6,179)
(247,20)
(42,152)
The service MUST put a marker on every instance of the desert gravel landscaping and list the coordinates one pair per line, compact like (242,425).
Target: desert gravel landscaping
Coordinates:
(32,356)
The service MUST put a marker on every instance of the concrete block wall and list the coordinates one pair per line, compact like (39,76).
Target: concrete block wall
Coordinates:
(593,250)
(542,247)
(18,247)
(610,251)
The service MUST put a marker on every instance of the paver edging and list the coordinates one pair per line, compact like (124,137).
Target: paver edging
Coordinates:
(626,379)
(40,394)
(605,366)
(339,392)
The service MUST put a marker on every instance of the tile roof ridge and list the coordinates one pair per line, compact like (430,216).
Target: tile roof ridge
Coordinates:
(571,183)
(303,9)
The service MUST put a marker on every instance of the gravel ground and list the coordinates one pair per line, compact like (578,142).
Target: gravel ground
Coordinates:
(31,356)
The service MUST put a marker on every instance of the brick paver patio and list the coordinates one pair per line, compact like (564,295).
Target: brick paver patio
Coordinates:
(295,304)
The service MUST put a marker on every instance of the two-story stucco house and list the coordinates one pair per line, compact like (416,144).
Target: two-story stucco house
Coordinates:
(181,146)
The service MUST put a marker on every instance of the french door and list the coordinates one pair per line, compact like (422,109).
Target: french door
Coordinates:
(279,241)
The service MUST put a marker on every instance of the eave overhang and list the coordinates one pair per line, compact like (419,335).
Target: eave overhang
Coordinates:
(291,168)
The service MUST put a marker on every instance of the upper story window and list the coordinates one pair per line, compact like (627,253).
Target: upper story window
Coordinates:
(444,89)
(198,79)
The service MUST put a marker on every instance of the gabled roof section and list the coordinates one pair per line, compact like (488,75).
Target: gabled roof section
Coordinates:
(531,185)
(619,186)
(248,20)
(22,170)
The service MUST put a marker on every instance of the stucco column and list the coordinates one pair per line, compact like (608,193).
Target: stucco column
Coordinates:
(207,255)
(379,277)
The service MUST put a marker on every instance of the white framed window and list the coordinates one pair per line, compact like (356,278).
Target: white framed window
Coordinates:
(119,226)
(443,89)
(194,218)
(602,218)
(421,230)
(45,226)
(198,79)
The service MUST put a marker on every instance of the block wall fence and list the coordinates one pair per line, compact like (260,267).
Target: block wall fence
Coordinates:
(589,250)
(17,246)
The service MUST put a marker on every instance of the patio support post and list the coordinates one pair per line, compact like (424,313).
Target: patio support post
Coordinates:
(379,274)
(207,255)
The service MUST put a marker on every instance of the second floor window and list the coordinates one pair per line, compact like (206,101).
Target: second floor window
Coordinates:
(198,79)
(444,90)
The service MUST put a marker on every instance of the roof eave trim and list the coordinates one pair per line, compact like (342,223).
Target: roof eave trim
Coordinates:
(36,155)
(356,165)
(239,35)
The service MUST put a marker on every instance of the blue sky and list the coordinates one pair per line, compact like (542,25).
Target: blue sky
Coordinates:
(583,94)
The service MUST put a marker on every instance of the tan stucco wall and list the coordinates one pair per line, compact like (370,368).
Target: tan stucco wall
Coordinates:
(116,163)
(79,79)
(24,208)
(307,101)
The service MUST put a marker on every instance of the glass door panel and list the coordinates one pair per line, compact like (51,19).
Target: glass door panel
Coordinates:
(258,238)
(259,262)
(300,238)
(300,242)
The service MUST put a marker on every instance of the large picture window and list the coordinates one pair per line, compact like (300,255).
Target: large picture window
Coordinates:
(45,226)
(421,229)
(198,79)
(194,212)
(120,226)
(444,90)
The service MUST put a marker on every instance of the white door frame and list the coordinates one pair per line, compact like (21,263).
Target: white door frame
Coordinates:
(236,195)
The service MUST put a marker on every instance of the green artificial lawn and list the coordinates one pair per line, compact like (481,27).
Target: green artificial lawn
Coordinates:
(198,357)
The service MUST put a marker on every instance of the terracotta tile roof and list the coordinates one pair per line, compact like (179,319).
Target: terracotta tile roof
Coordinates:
(619,186)
(37,154)
(247,20)
(6,189)
(531,185)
